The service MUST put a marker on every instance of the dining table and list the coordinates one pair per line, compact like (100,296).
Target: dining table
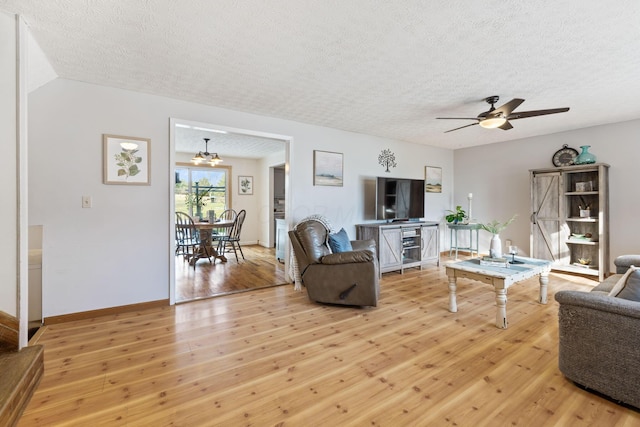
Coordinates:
(208,232)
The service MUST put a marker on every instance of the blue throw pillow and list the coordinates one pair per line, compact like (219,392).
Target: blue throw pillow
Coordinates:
(339,242)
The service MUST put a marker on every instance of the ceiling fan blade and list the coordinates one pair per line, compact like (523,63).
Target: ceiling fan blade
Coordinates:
(506,126)
(525,114)
(507,108)
(457,118)
(461,127)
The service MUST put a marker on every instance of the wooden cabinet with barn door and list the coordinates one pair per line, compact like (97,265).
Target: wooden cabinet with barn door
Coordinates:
(570,218)
(404,244)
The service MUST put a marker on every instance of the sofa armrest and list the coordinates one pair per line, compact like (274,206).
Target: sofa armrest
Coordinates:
(601,302)
(361,245)
(348,257)
(623,262)
(599,344)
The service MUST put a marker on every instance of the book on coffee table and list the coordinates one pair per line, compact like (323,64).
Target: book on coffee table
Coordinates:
(494,262)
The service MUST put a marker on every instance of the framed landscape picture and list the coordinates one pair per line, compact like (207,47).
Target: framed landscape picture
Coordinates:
(245,185)
(327,168)
(126,160)
(433,179)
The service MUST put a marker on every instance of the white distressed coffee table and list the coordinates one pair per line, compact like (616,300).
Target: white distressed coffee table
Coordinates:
(501,278)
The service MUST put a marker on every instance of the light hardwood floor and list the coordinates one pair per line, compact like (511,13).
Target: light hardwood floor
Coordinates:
(273,358)
(259,269)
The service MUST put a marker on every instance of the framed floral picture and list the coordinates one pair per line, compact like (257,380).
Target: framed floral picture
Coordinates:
(245,185)
(126,160)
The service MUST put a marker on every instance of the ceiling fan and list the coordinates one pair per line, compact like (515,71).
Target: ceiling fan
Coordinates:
(500,117)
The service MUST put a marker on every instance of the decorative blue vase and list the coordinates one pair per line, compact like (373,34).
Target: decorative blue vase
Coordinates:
(585,157)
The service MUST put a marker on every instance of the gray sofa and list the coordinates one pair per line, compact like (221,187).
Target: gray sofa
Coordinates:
(599,338)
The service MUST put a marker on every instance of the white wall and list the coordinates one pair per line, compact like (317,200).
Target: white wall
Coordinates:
(117,252)
(8,168)
(498,177)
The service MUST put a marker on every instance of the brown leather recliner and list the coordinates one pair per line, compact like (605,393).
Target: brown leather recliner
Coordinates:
(348,278)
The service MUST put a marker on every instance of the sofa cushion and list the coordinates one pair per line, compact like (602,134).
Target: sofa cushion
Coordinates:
(339,242)
(607,284)
(348,257)
(628,286)
(631,290)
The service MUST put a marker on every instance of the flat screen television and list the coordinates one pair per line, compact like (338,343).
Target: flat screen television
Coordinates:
(399,198)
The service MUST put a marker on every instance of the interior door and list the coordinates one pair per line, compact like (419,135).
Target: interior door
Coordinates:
(547,232)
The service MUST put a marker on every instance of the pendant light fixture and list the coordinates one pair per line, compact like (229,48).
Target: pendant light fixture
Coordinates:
(204,156)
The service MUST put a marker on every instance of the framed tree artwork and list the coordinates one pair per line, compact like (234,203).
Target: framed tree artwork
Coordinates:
(126,160)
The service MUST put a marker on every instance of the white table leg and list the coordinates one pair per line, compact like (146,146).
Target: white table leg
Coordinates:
(453,306)
(455,234)
(544,282)
(501,313)
(450,241)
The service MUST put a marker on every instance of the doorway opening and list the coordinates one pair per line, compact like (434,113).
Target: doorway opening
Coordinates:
(245,180)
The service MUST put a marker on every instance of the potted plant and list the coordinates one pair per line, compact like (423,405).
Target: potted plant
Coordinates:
(495,227)
(196,200)
(456,216)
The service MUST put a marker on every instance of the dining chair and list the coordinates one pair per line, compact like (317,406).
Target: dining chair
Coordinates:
(188,241)
(228,215)
(218,233)
(233,238)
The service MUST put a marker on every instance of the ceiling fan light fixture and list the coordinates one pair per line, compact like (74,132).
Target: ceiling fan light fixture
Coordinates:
(493,122)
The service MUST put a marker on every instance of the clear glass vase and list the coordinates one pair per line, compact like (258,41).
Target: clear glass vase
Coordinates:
(585,157)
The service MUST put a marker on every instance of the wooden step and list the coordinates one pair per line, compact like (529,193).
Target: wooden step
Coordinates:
(21,372)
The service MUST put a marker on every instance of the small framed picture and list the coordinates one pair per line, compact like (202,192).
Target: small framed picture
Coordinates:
(126,160)
(584,186)
(245,185)
(433,179)
(327,168)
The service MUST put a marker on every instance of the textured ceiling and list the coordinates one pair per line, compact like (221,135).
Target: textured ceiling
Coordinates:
(386,68)
(190,139)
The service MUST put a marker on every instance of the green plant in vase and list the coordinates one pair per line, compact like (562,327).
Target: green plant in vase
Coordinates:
(495,227)
(456,216)
(196,200)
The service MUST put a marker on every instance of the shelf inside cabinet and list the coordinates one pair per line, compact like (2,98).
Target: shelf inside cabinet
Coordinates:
(585,266)
(582,242)
(580,193)
(571,268)
(410,246)
(582,219)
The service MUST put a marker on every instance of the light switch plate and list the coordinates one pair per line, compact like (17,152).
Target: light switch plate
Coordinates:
(86,201)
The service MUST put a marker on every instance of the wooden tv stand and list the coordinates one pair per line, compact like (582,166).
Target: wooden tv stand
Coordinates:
(402,245)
